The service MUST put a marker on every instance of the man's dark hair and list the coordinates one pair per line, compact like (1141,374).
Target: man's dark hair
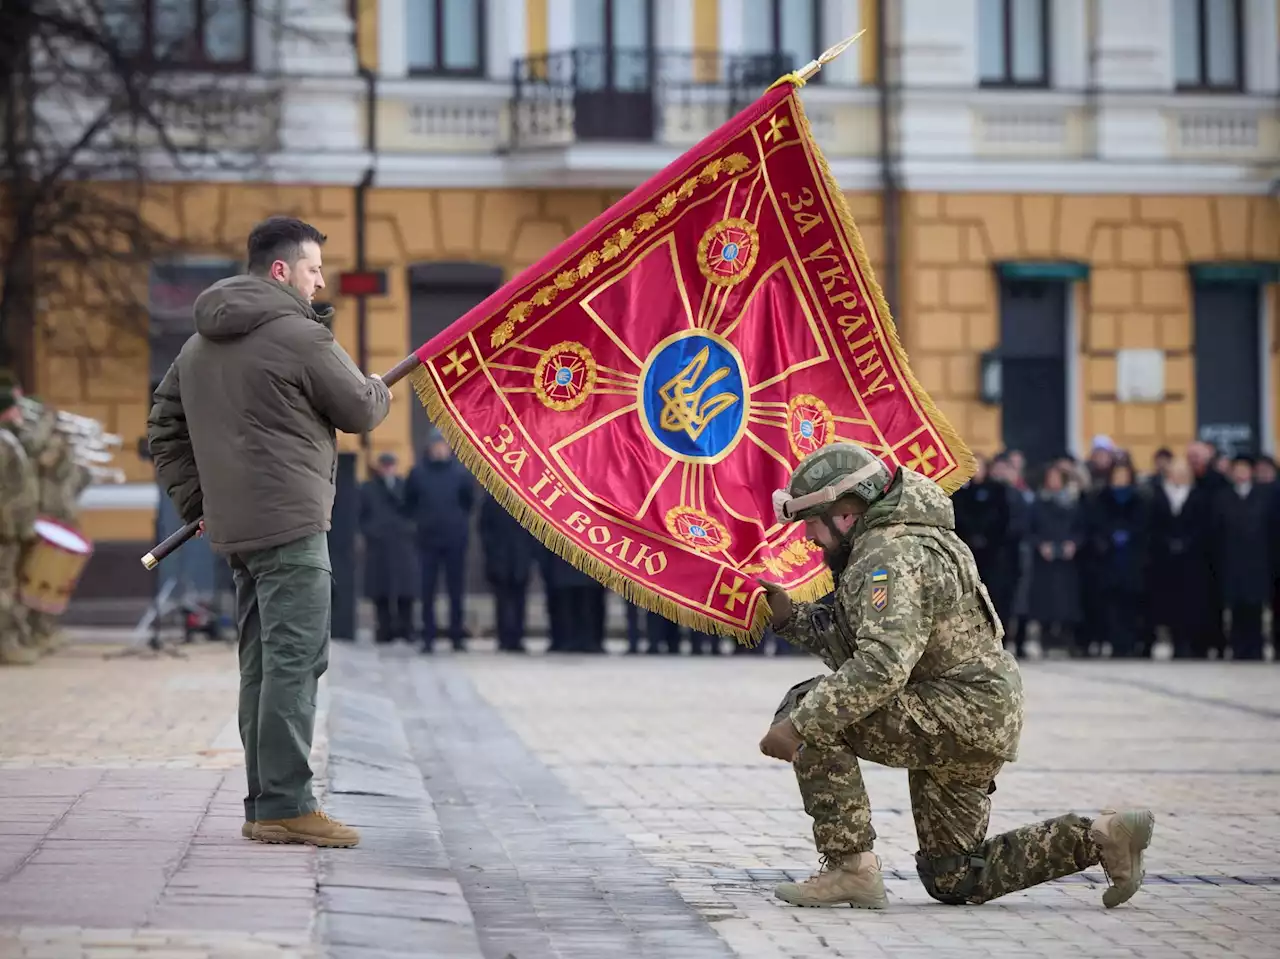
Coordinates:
(280,238)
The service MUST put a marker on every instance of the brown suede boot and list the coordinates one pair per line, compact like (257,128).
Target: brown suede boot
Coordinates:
(315,828)
(1121,837)
(855,882)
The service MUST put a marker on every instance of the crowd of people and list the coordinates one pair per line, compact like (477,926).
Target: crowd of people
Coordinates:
(417,530)
(1089,558)
(1104,560)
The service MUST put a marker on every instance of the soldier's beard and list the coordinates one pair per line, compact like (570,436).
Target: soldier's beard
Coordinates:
(837,557)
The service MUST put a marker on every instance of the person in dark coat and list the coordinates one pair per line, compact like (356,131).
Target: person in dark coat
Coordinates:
(1242,552)
(1202,458)
(1273,539)
(1010,555)
(1180,583)
(509,552)
(663,634)
(439,495)
(1056,534)
(575,607)
(1119,527)
(390,561)
(982,507)
(704,644)
(633,614)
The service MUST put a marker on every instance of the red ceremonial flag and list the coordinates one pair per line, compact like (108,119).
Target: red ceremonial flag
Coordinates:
(636,396)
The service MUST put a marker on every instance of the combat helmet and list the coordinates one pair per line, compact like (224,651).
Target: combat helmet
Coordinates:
(828,474)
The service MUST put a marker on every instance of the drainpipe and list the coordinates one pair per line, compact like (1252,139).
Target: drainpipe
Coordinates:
(1091,82)
(361,196)
(888,178)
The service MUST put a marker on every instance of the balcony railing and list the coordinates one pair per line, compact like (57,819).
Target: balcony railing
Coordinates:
(632,95)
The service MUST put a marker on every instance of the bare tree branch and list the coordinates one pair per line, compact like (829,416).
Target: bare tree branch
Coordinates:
(101,99)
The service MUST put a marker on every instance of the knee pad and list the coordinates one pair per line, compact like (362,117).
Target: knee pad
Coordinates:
(968,868)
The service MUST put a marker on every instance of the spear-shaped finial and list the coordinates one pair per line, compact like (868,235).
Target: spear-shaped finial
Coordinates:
(802,76)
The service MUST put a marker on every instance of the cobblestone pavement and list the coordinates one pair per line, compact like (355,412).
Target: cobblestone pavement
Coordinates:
(121,790)
(539,807)
(600,806)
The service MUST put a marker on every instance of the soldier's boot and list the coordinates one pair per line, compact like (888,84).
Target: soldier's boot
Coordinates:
(314,829)
(1121,838)
(55,641)
(855,882)
(14,652)
(247,830)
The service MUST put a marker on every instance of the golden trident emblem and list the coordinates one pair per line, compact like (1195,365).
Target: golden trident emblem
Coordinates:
(682,405)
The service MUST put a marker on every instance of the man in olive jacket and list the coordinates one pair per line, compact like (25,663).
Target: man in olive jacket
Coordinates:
(243,432)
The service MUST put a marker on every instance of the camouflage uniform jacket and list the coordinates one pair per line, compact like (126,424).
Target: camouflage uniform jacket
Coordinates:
(60,478)
(19,488)
(911,620)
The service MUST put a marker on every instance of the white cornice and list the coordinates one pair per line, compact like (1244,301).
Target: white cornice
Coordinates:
(621,167)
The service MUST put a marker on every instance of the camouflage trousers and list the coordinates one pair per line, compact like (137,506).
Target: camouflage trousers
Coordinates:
(44,627)
(950,786)
(15,630)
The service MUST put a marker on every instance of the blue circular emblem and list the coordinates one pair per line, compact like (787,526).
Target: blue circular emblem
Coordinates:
(697,531)
(730,252)
(564,376)
(806,429)
(694,396)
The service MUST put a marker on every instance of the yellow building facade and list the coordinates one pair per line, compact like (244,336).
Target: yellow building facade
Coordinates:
(968,221)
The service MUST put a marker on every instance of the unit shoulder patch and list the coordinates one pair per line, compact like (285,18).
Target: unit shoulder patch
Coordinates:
(879,589)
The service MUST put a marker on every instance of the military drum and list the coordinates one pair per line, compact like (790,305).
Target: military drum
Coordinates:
(51,566)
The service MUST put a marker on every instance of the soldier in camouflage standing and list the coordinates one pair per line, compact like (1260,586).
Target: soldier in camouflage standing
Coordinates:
(61,480)
(19,498)
(921,681)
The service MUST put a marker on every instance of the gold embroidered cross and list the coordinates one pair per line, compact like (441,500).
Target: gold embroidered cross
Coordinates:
(923,459)
(776,125)
(733,593)
(457,364)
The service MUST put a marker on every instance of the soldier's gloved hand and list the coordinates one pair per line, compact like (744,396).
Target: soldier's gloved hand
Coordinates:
(782,741)
(779,603)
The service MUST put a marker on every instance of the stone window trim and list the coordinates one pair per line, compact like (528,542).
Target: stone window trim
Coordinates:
(138,28)
(1194,16)
(1010,12)
(473,62)
(774,30)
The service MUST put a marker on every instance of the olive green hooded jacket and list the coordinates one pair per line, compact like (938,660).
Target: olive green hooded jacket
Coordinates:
(243,424)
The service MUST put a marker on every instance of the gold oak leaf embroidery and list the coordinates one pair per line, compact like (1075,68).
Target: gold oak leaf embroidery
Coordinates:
(502,333)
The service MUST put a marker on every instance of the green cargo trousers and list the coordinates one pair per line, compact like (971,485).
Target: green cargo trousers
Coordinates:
(283,608)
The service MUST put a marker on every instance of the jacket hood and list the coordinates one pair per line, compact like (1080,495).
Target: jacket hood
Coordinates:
(238,305)
(913,499)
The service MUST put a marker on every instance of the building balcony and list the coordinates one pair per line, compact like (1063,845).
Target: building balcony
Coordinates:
(1071,139)
(595,116)
(632,96)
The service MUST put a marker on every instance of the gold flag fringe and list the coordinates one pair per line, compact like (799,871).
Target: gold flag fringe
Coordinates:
(966,464)
(560,544)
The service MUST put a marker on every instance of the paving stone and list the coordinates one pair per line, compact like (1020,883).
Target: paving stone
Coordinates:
(676,770)
(441,906)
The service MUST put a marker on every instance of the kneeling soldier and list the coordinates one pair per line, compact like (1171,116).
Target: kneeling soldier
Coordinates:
(921,681)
